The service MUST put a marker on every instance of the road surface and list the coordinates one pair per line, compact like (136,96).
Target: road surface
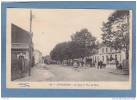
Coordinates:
(43,72)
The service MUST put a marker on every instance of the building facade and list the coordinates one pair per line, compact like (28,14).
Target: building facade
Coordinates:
(37,56)
(21,52)
(108,56)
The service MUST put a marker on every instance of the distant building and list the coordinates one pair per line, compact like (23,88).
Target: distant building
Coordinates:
(37,56)
(47,60)
(21,52)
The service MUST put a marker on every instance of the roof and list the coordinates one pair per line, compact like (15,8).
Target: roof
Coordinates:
(19,35)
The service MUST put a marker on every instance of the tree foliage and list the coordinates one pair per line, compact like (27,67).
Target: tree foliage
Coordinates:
(84,38)
(116,30)
(80,46)
(58,51)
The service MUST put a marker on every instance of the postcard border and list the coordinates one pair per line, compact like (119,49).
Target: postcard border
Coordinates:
(67,92)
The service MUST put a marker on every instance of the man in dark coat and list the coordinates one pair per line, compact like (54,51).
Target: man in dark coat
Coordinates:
(21,64)
(98,65)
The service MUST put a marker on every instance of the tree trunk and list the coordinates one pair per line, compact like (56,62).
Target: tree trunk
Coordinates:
(126,63)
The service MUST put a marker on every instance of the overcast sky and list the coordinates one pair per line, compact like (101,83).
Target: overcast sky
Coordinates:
(52,26)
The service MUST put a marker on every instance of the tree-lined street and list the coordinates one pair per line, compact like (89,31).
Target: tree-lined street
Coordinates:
(97,57)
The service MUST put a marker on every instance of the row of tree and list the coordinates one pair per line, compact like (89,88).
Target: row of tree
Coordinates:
(82,44)
(115,35)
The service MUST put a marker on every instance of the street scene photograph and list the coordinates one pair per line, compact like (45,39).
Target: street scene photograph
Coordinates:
(52,45)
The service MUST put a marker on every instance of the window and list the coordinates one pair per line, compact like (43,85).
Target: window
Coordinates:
(102,50)
(106,49)
(98,58)
(115,57)
(110,49)
(106,57)
(103,58)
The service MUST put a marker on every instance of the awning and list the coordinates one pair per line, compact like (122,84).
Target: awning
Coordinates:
(20,46)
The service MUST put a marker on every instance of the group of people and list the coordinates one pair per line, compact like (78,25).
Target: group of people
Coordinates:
(87,62)
(100,64)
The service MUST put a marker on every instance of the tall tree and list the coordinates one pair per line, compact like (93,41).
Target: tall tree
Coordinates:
(67,50)
(82,45)
(116,31)
(85,39)
(58,52)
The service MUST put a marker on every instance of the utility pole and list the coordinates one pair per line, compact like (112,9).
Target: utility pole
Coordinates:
(31,47)
(30,21)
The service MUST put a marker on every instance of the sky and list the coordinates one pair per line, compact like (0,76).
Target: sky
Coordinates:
(52,26)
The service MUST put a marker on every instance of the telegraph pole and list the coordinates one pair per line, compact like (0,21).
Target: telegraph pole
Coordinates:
(30,21)
(31,47)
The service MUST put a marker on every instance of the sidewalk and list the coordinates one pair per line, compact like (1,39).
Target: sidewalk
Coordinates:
(38,73)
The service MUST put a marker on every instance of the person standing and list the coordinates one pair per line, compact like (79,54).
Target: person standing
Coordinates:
(101,64)
(117,64)
(82,63)
(21,65)
(98,64)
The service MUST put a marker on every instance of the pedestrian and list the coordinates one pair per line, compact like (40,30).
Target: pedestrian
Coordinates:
(78,63)
(21,65)
(82,63)
(101,64)
(98,65)
(86,61)
(117,64)
(90,62)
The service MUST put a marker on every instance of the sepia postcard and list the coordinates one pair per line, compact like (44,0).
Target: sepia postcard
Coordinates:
(69,48)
